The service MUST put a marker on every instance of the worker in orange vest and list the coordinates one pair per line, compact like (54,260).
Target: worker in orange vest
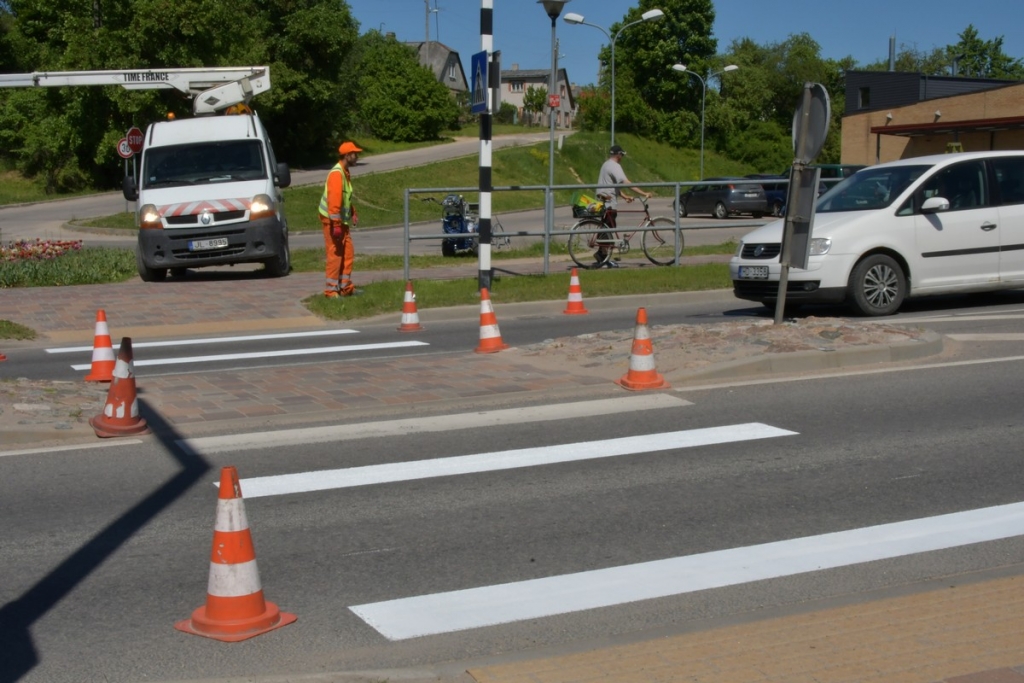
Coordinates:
(338,217)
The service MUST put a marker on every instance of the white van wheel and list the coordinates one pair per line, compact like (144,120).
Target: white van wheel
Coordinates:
(877,285)
(145,272)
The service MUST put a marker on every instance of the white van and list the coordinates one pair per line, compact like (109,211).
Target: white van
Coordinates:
(927,225)
(209,194)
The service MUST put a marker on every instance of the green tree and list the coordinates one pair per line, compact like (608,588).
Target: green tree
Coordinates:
(66,136)
(645,51)
(398,98)
(979,58)
(534,100)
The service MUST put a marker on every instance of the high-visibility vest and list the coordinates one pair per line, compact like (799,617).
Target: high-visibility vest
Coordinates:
(346,197)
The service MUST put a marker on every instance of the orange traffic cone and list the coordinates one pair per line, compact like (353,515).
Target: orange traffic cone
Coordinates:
(410,318)
(235,608)
(575,304)
(490,335)
(642,374)
(103,360)
(120,416)
(2,357)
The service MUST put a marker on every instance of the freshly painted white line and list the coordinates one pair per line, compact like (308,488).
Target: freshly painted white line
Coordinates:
(213,340)
(488,605)
(106,443)
(491,418)
(266,354)
(302,482)
(962,318)
(987,337)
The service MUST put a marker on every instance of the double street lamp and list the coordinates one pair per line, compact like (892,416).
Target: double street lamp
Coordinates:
(703,93)
(649,15)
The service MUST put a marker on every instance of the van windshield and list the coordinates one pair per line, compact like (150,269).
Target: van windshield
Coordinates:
(201,163)
(870,189)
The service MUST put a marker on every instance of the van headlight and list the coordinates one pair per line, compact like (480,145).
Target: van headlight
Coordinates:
(149,218)
(820,246)
(261,207)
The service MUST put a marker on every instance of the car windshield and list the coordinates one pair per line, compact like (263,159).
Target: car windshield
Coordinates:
(870,189)
(208,162)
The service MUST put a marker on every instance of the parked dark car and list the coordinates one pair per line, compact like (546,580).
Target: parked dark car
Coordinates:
(776,190)
(723,197)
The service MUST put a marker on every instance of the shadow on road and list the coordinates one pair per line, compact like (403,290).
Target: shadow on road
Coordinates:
(18,654)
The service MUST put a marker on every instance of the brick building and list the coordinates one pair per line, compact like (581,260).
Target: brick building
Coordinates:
(892,115)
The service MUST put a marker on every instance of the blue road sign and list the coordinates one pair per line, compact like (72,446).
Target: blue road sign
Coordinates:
(478,83)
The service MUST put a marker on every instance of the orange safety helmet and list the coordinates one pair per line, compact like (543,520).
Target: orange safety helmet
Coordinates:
(348,147)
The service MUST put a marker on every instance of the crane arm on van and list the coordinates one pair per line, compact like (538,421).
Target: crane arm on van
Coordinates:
(212,90)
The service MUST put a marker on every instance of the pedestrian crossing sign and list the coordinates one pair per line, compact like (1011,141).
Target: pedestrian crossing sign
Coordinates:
(478,83)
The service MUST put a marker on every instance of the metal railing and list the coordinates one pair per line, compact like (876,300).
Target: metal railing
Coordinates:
(549,230)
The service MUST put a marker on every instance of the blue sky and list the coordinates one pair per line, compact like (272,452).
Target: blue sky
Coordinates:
(859,29)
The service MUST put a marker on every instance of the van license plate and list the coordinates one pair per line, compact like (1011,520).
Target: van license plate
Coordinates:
(752,195)
(199,245)
(753,272)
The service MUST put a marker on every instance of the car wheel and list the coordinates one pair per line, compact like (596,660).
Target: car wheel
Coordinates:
(777,209)
(448,248)
(877,286)
(179,273)
(721,211)
(145,272)
(757,214)
(279,265)
(682,211)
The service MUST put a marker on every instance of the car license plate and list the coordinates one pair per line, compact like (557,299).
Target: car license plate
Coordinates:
(753,272)
(752,195)
(216,243)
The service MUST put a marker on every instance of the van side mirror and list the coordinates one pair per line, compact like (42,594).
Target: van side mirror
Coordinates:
(129,189)
(935,205)
(284,175)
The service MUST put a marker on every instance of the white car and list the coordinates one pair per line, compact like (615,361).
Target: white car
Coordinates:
(927,225)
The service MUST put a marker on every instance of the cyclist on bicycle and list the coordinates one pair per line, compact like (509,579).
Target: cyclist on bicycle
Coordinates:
(609,180)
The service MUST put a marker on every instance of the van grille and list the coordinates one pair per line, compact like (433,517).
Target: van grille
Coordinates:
(764,251)
(193,219)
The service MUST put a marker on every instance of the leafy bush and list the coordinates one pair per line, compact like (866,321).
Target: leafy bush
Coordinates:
(62,263)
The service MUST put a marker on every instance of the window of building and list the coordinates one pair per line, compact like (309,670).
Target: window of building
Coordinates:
(515,86)
(863,97)
(451,72)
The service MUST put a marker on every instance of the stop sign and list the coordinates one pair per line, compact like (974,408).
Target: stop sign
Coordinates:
(554,101)
(134,138)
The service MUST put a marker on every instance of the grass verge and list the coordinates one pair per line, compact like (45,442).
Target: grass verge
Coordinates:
(380,298)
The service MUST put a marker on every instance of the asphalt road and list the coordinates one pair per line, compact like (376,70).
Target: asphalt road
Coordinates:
(106,549)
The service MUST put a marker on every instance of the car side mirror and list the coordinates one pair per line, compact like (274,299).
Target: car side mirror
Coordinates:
(284,175)
(129,188)
(935,205)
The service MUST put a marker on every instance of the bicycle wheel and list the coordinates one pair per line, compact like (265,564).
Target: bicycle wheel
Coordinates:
(582,246)
(499,240)
(660,244)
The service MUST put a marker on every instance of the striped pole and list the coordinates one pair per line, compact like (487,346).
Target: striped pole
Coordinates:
(486,45)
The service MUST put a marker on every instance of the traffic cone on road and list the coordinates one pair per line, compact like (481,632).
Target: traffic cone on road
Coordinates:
(120,416)
(575,304)
(235,608)
(2,357)
(410,318)
(103,360)
(490,335)
(642,374)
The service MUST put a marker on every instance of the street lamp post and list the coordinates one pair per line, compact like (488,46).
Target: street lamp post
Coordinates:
(703,94)
(649,15)
(553,9)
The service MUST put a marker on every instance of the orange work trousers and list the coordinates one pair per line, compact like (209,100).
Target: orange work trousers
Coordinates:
(340,255)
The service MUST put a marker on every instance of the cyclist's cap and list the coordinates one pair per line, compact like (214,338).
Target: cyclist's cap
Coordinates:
(616,150)
(348,148)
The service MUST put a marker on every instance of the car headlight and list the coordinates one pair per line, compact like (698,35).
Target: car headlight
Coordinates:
(149,218)
(261,207)
(739,250)
(820,246)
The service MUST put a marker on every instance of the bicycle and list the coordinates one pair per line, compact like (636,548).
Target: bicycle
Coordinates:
(659,245)
(459,217)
